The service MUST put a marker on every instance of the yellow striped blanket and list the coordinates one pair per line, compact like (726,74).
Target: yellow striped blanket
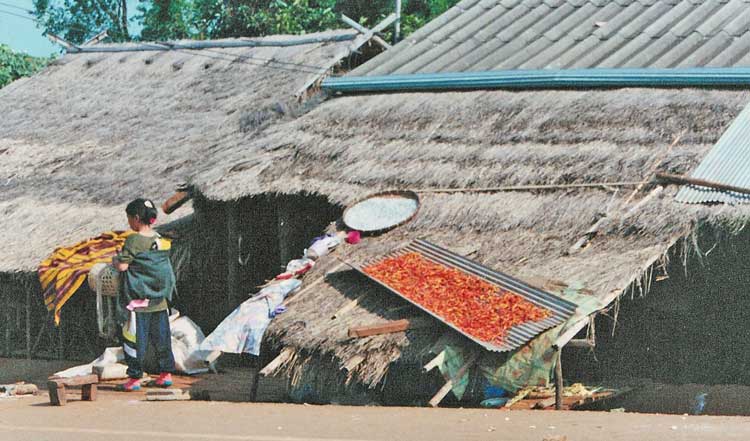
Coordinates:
(63,272)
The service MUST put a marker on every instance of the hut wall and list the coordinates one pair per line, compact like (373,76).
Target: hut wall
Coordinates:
(690,326)
(268,231)
(27,330)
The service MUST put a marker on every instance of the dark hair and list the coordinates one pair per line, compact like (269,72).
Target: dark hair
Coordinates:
(143,208)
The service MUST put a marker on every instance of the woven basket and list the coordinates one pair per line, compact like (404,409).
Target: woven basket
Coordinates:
(106,278)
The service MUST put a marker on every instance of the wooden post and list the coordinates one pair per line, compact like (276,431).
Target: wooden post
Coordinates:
(28,323)
(558,381)
(57,395)
(88,392)
(232,214)
(397,24)
(284,219)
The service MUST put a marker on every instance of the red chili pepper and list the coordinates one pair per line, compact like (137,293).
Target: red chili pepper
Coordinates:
(475,306)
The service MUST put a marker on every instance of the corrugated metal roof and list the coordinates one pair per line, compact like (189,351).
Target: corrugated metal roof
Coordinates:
(728,163)
(560,309)
(533,34)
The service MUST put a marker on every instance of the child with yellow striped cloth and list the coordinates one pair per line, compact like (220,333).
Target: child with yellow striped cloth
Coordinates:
(146,285)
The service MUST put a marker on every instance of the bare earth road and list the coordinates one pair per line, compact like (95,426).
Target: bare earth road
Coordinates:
(133,419)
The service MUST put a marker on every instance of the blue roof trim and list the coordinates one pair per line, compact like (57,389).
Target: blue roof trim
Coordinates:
(544,79)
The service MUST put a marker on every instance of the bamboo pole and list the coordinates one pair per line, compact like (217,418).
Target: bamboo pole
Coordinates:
(684,180)
(528,187)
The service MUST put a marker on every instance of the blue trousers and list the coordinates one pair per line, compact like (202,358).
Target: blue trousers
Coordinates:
(151,327)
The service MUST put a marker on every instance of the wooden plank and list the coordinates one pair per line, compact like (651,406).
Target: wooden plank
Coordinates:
(449,384)
(545,403)
(175,201)
(388,327)
(88,392)
(79,380)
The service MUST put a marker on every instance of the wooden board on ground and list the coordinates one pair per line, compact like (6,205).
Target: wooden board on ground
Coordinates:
(389,327)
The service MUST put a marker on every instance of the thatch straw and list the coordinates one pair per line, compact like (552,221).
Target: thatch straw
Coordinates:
(93,131)
(352,146)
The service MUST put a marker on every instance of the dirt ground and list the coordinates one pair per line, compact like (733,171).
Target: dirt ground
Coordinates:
(122,416)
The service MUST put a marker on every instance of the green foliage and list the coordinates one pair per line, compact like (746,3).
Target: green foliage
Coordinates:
(242,18)
(14,65)
(166,19)
(79,20)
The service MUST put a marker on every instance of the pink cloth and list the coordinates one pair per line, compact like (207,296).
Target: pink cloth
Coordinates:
(138,303)
(353,237)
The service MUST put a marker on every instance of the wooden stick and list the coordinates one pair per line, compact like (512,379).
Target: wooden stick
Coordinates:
(388,327)
(684,180)
(526,187)
(283,357)
(363,30)
(435,362)
(653,168)
(449,384)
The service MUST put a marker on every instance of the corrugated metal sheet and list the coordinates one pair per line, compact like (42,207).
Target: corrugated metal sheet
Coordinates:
(501,34)
(560,309)
(728,163)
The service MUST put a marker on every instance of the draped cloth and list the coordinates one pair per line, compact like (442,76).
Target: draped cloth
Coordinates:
(64,271)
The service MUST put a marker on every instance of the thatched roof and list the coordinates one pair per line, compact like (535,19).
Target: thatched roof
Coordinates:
(351,146)
(94,130)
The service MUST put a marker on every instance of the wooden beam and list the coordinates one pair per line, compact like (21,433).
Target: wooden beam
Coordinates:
(363,30)
(389,327)
(345,52)
(70,47)
(669,178)
(175,201)
(449,384)
(285,355)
